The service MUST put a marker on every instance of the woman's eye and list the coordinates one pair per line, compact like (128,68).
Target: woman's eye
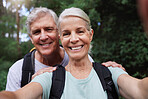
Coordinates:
(80,31)
(66,34)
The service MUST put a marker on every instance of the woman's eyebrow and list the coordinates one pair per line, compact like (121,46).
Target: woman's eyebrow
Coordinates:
(65,30)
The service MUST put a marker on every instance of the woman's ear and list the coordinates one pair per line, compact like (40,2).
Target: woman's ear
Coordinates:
(91,34)
(59,35)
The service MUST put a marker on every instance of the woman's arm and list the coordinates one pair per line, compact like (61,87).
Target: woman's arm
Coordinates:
(32,90)
(143,85)
(7,95)
(132,88)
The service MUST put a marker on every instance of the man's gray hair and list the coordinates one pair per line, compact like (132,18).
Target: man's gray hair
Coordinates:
(37,13)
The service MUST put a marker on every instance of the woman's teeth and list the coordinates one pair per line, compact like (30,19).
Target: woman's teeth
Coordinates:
(76,48)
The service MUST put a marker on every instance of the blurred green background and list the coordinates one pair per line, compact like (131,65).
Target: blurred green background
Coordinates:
(119,35)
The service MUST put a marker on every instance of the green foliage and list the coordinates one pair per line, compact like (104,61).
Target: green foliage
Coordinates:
(130,50)
(4,65)
(121,97)
(3,79)
(8,49)
(26,47)
(139,75)
(120,36)
(7,25)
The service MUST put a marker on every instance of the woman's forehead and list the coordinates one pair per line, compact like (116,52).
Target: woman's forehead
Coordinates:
(72,22)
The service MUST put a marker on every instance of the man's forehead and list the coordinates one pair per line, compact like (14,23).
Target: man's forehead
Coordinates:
(46,21)
(45,26)
(42,15)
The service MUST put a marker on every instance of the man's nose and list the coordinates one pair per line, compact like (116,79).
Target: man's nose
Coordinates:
(43,35)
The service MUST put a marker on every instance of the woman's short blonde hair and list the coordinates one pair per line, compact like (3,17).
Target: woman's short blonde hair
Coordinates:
(76,12)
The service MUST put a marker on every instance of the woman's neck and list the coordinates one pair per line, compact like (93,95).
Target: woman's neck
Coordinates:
(55,58)
(80,69)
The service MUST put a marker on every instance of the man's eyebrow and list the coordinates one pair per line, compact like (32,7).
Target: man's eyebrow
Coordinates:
(49,27)
(34,30)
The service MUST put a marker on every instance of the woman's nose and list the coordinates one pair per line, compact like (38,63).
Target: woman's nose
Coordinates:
(74,38)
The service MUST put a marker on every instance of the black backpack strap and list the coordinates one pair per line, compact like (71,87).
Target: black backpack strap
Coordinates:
(28,68)
(58,83)
(106,80)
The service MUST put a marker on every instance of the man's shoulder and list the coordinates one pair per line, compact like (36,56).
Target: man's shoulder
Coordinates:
(17,65)
(65,60)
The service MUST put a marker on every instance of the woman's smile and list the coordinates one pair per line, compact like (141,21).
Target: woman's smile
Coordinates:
(76,47)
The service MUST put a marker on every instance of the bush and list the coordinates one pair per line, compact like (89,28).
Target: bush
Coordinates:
(26,47)
(4,66)
(3,80)
(8,49)
(131,51)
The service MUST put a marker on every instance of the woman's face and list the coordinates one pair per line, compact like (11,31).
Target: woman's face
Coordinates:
(75,37)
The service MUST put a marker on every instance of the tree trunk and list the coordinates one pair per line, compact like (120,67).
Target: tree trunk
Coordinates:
(18,30)
(1,8)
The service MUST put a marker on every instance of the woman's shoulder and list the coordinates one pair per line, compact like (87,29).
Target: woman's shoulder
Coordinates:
(45,77)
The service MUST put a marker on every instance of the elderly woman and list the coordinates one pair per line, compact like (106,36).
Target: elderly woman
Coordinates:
(81,80)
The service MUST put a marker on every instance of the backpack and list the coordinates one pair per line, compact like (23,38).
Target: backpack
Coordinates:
(58,78)
(58,81)
(28,68)
(105,77)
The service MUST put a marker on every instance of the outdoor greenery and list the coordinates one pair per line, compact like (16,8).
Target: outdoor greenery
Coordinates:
(118,33)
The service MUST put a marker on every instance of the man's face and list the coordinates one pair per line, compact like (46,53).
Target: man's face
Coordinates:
(44,35)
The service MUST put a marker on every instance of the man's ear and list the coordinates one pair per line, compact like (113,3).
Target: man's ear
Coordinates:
(31,38)
(91,34)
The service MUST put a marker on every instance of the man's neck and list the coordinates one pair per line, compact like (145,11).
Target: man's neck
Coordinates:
(55,58)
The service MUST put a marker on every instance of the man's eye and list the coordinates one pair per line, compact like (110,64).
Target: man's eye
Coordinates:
(36,32)
(50,29)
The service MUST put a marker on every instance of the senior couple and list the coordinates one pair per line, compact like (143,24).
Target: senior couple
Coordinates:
(81,80)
